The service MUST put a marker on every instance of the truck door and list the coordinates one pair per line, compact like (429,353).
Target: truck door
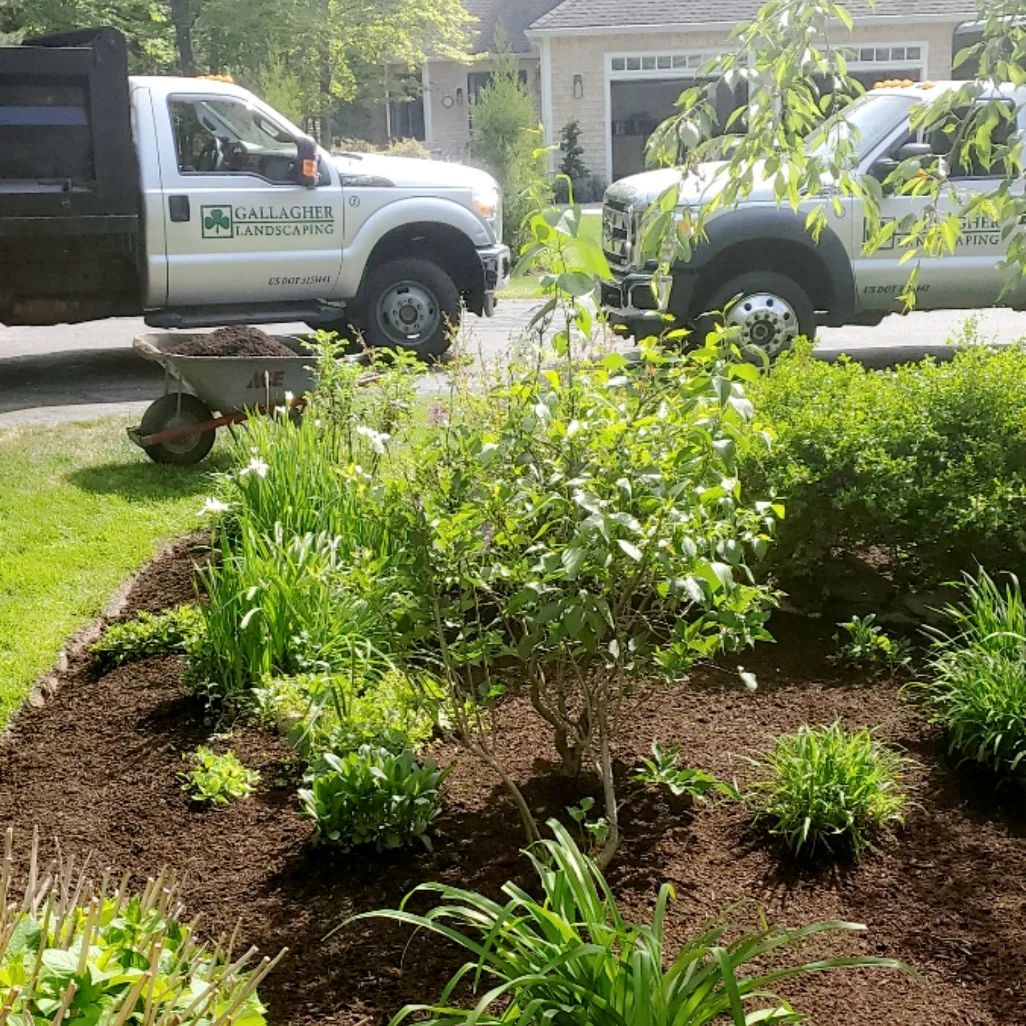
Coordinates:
(965,279)
(238,227)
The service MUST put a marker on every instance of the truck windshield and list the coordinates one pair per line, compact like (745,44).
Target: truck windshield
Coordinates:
(864,123)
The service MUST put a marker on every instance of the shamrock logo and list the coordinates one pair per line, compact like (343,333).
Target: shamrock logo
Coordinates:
(217,222)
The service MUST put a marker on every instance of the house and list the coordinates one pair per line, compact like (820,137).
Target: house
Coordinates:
(619,68)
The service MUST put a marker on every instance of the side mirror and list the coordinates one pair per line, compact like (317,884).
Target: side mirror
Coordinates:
(882,167)
(911,150)
(307,171)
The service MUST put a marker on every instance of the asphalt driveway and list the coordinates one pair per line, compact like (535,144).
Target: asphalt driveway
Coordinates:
(82,372)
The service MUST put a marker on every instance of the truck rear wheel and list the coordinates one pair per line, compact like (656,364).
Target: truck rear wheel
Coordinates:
(770,309)
(409,304)
(173,411)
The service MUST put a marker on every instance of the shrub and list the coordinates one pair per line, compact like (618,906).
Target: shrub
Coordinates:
(505,140)
(864,645)
(591,528)
(217,779)
(394,148)
(372,797)
(149,634)
(825,787)
(569,957)
(70,952)
(928,459)
(977,686)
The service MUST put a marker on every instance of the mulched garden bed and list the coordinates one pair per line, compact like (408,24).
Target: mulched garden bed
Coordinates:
(95,768)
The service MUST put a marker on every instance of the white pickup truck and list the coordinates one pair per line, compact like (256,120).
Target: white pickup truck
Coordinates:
(192,203)
(761,253)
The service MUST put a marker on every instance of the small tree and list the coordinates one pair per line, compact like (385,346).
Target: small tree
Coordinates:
(505,138)
(572,165)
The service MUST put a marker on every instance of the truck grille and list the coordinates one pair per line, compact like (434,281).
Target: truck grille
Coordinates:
(619,232)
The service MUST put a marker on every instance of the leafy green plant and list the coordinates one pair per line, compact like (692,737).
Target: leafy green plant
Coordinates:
(217,778)
(149,634)
(826,788)
(595,830)
(342,711)
(372,797)
(927,461)
(281,605)
(866,646)
(569,956)
(977,683)
(662,770)
(72,952)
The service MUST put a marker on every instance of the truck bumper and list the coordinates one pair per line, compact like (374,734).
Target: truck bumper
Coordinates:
(496,262)
(628,298)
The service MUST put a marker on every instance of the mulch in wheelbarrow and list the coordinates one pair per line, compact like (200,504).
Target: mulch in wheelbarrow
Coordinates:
(237,340)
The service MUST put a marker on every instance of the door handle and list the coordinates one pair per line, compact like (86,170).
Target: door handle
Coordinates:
(178,208)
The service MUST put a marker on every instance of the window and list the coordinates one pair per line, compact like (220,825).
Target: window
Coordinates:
(963,123)
(222,135)
(866,123)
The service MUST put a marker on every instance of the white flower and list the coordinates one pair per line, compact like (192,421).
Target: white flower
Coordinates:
(213,507)
(288,398)
(255,466)
(377,439)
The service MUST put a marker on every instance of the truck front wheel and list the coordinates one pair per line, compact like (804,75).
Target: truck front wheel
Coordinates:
(770,310)
(409,304)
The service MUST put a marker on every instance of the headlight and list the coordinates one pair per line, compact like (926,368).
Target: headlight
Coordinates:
(488,204)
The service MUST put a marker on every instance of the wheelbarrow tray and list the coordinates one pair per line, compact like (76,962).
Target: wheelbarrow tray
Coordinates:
(231,384)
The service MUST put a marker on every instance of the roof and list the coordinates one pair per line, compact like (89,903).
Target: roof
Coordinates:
(611,14)
(512,15)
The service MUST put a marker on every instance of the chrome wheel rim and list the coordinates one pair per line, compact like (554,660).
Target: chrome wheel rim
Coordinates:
(766,321)
(408,313)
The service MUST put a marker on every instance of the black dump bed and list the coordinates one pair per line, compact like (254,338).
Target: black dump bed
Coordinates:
(70,228)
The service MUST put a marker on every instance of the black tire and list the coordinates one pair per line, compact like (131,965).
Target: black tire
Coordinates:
(177,410)
(415,287)
(772,310)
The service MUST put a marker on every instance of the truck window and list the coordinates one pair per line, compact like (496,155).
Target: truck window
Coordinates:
(962,123)
(865,123)
(222,135)
(45,133)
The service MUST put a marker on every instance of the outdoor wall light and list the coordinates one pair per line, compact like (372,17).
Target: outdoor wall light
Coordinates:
(459,97)
(578,86)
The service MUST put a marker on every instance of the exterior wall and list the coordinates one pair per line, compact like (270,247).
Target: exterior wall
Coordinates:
(586,56)
(447,103)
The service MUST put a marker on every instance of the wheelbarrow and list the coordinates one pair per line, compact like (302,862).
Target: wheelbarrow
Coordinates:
(213,392)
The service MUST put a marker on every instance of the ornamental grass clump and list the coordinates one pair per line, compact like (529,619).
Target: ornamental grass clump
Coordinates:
(76,951)
(827,788)
(976,687)
(565,955)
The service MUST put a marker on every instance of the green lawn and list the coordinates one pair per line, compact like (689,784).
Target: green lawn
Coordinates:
(81,508)
(527,286)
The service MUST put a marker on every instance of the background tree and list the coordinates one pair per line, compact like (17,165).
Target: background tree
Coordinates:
(313,54)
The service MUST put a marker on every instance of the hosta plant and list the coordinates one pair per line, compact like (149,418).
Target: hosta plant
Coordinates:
(75,952)
(827,788)
(563,954)
(217,779)
(662,770)
(976,688)
(372,797)
(862,644)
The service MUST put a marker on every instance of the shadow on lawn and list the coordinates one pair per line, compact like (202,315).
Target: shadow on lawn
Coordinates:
(147,481)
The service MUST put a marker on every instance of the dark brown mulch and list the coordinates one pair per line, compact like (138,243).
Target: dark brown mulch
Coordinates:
(96,768)
(237,340)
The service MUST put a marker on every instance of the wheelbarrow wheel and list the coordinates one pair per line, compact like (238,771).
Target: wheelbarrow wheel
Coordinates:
(174,411)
